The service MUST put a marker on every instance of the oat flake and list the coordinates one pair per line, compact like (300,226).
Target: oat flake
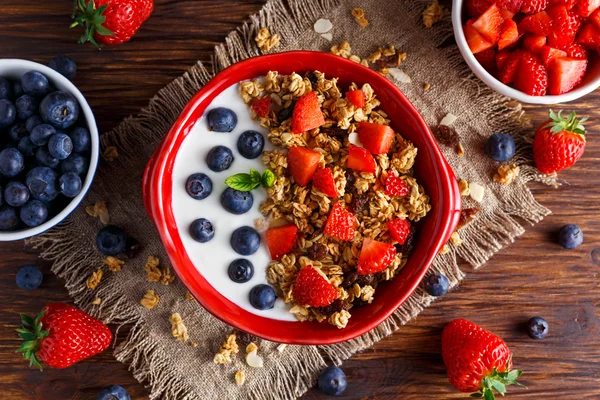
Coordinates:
(399,75)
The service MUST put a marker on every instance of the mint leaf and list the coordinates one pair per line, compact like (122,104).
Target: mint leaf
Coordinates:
(242,182)
(268,178)
(255,175)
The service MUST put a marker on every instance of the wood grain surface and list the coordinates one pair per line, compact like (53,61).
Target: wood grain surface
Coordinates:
(532,277)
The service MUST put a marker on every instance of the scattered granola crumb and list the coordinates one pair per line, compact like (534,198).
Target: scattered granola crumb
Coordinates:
(265,40)
(467,215)
(113,263)
(188,295)
(384,71)
(342,49)
(259,223)
(166,276)
(445,249)
(460,150)
(359,16)
(251,347)
(477,191)
(339,319)
(178,329)
(228,348)
(99,210)
(150,299)
(94,279)
(507,173)
(240,377)
(254,360)
(463,186)
(151,268)
(426,86)
(110,153)
(446,135)
(281,347)
(455,239)
(432,14)
(97,301)
(194,344)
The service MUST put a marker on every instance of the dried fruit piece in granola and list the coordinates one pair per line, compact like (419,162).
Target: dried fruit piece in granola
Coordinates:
(399,229)
(375,256)
(337,306)
(281,240)
(323,181)
(395,187)
(447,135)
(312,289)
(358,202)
(376,138)
(302,164)
(307,114)
(359,159)
(340,223)
(317,251)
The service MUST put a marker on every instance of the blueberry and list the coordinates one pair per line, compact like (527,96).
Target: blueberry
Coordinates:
(198,186)
(17,89)
(537,328)
(64,65)
(219,158)
(12,162)
(34,213)
(222,119)
(114,392)
(59,109)
(9,220)
(332,381)
(8,113)
(35,83)
(60,146)
(111,240)
(240,270)
(236,202)
(26,147)
(437,285)
(29,277)
(570,236)
(6,89)
(26,106)
(16,194)
(32,122)
(41,134)
(245,240)
(81,139)
(75,163)
(202,230)
(262,297)
(45,159)
(42,183)
(17,132)
(70,184)
(250,144)
(500,147)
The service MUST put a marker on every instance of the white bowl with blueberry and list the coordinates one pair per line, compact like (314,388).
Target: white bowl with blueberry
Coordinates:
(49,146)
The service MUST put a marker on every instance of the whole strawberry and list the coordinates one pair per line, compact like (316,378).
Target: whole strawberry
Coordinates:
(476,360)
(62,335)
(558,143)
(110,21)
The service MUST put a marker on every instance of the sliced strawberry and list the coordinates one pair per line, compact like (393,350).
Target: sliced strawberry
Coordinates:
(589,36)
(509,34)
(307,114)
(533,6)
(475,40)
(399,229)
(261,106)
(302,164)
(547,54)
(395,187)
(565,24)
(538,24)
(375,256)
(357,98)
(323,181)
(507,14)
(312,289)
(564,74)
(586,7)
(376,138)
(531,77)
(489,24)
(514,6)
(360,159)
(281,240)
(501,58)
(575,50)
(509,71)
(595,19)
(477,7)
(534,43)
(567,3)
(487,59)
(340,223)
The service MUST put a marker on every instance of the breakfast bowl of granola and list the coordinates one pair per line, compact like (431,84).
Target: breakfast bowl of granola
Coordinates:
(301,197)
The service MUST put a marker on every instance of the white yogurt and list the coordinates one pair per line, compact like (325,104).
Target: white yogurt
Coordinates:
(212,258)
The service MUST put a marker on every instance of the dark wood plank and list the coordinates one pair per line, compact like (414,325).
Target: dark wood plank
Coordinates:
(531,277)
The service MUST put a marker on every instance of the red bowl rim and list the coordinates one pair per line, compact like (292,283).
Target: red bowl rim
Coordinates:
(157,186)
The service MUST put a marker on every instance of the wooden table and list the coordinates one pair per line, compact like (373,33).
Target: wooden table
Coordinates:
(534,276)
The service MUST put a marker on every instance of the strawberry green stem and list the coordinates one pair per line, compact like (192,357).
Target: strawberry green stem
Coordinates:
(92,18)
(558,123)
(32,333)
(497,382)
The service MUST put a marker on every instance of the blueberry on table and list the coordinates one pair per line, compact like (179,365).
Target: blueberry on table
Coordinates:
(32,122)
(111,240)
(16,194)
(114,392)
(262,297)
(500,147)
(251,144)
(537,328)
(222,119)
(8,113)
(332,381)
(64,65)
(45,159)
(81,139)
(240,270)
(26,106)
(245,240)
(202,230)
(70,184)
(570,236)
(59,109)
(236,202)
(219,158)
(75,163)
(26,147)
(12,162)
(60,146)
(198,186)
(34,213)
(34,83)
(17,132)
(42,183)
(6,89)
(9,220)
(29,277)
(41,134)
(437,285)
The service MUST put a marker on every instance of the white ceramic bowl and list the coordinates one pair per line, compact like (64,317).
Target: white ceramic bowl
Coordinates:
(590,82)
(14,69)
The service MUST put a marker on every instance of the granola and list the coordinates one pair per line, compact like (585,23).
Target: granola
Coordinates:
(113,263)
(507,174)
(265,40)
(178,329)
(150,299)
(94,279)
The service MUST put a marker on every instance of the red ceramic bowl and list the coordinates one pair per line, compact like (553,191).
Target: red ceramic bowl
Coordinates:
(431,169)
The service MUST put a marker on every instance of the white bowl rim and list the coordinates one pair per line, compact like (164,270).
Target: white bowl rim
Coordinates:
(500,87)
(61,83)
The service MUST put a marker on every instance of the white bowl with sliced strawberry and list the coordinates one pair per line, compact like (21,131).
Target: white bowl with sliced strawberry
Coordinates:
(535,51)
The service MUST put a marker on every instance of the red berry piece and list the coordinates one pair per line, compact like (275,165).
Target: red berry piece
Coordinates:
(357,98)
(376,138)
(399,229)
(261,106)
(340,224)
(307,114)
(323,181)
(375,256)
(302,164)
(312,289)
(281,240)
(395,187)
(359,159)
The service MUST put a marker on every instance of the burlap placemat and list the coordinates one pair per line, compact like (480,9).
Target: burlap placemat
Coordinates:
(175,370)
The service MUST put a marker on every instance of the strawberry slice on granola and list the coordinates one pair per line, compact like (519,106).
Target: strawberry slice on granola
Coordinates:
(302,164)
(374,137)
(307,113)
(375,256)
(323,181)
(399,229)
(281,240)
(395,187)
(313,289)
(359,159)
(261,106)
(357,98)
(340,223)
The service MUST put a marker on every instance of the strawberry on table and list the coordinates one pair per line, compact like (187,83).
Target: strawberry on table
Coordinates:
(374,137)
(548,54)
(509,34)
(302,164)
(323,181)
(261,106)
(489,24)
(357,98)
(477,360)
(359,159)
(565,25)
(399,229)
(307,113)
(564,74)
(281,240)
(62,335)
(477,7)
(313,289)
(531,77)
(558,143)
(534,6)
(477,43)
(375,256)
(395,186)
(340,224)
(538,24)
